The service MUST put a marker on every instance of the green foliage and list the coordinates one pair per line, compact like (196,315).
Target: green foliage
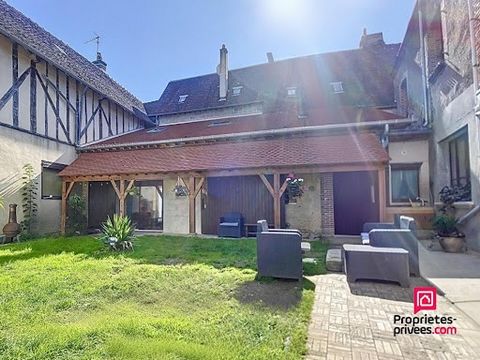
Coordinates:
(445,225)
(77,220)
(67,298)
(29,201)
(118,232)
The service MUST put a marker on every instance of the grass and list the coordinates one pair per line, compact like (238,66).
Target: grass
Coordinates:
(172,298)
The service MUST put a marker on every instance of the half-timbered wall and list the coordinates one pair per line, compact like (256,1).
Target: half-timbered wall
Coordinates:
(40,107)
(38,98)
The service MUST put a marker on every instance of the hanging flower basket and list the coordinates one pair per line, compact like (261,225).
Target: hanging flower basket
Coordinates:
(180,189)
(294,188)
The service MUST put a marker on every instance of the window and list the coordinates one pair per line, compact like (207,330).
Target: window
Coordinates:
(237,90)
(459,159)
(404,182)
(51,182)
(292,91)
(337,87)
(182,98)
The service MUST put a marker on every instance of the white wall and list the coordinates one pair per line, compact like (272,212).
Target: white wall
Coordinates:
(18,149)
(175,210)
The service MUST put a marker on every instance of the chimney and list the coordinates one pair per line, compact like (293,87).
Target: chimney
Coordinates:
(222,71)
(371,40)
(270,58)
(99,62)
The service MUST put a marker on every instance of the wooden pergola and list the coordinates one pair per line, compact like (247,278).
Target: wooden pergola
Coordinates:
(195,180)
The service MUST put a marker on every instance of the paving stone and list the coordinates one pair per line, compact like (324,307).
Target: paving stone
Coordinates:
(355,321)
(334,260)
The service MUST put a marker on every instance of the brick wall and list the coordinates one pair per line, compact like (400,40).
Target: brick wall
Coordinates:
(326,193)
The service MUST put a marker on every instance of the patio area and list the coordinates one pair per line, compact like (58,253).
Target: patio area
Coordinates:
(355,321)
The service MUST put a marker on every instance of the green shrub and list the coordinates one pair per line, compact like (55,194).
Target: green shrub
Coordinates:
(118,233)
(77,220)
(29,201)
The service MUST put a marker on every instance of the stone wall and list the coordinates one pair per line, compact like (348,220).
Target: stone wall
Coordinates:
(175,210)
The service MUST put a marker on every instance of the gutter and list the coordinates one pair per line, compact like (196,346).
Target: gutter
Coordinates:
(249,134)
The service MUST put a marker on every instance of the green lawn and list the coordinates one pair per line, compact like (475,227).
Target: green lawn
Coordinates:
(172,298)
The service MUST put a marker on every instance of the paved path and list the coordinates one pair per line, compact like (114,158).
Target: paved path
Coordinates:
(457,275)
(355,321)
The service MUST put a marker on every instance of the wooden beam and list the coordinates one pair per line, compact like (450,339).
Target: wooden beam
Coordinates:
(191,205)
(33,98)
(122,197)
(63,216)
(117,190)
(267,184)
(199,186)
(382,193)
(14,79)
(276,200)
(66,189)
(284,187)
(129,187)
(80,112)
(55,109)
(92,117)
(64,97)
(14,88)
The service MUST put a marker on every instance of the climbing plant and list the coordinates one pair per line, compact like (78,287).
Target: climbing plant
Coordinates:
(29,200)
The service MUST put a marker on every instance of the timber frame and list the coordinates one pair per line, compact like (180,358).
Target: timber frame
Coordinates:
(78,112)
(195,180)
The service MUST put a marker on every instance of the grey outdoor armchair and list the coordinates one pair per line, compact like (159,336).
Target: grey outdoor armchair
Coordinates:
(279,254)
(262,226)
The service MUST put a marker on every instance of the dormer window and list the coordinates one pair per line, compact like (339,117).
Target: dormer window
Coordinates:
(182,98)
(292,91)
(237,90)
(337,87)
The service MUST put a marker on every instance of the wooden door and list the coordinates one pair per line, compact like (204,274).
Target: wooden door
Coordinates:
(102,202)
(355,197)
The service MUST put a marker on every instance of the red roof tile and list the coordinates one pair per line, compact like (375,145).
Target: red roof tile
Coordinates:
(351,148)
(277,120)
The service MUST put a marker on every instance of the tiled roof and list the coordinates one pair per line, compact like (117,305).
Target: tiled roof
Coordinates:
(278,120)
(366,75)
(353,148)
(20,28)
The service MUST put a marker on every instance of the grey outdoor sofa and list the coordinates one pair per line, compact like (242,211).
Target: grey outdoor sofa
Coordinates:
(400,234)
(279,253)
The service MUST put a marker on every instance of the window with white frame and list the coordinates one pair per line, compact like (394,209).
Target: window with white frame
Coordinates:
(404,182)
(182,98)
(337,87)
(237,90)
(292,91)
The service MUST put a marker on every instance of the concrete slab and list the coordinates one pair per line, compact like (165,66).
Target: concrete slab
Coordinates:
(456,275)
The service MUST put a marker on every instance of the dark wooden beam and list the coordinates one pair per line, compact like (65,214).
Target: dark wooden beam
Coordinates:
(55,109)
(46,102)
(14,89)
(92,117)
(57,106)
(33,97)
(80,112)
(14,79)
(65,96)
(67,99)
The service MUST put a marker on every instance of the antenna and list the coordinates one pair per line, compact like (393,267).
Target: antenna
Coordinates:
(96,39)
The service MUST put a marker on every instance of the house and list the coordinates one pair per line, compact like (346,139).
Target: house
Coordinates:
(229,140)
(52,100)
(436,81)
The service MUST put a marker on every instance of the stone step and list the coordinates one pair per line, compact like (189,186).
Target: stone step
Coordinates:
(334,260)
(305,247)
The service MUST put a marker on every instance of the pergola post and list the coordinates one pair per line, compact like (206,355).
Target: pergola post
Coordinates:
(276,191)
(66,189)
(381,194)
(192,195)
(122,193)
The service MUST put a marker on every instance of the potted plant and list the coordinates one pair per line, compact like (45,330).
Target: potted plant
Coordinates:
(451,240)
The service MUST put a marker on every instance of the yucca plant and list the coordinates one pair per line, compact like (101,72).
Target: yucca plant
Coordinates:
(118,232)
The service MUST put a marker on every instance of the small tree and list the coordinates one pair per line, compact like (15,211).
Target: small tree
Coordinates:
(29,200)
(77,220)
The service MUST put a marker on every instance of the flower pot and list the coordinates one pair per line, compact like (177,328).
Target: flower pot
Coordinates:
(452,244)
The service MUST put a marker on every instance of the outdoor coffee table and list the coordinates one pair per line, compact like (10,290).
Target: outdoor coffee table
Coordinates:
(376,263)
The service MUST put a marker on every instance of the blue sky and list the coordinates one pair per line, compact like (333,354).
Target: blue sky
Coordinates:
(148,43)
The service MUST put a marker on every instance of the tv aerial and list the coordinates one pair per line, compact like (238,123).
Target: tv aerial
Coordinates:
(96,39)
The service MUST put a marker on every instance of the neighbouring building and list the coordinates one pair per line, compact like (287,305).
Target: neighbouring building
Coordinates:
(437,83)
(52,100)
